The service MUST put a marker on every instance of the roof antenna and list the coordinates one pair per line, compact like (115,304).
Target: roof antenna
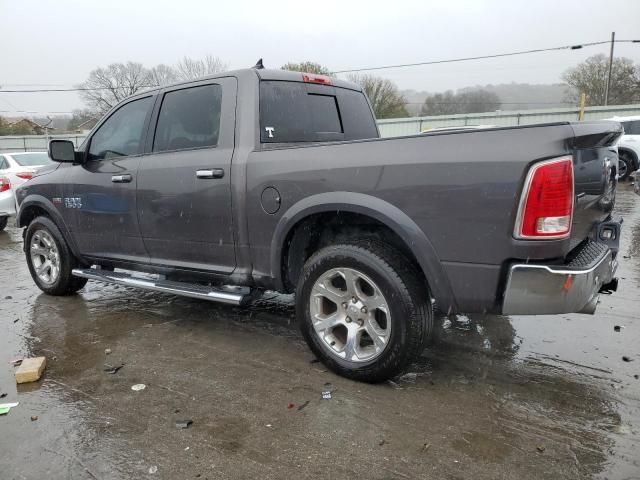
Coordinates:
(258,65)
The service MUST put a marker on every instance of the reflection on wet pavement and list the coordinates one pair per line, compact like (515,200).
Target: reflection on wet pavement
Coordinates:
(492,397)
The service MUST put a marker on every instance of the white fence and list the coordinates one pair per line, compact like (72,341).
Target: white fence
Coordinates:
(409,126)
(34,143)
(395,126)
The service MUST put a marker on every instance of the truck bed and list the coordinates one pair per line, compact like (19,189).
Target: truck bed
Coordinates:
(460,188)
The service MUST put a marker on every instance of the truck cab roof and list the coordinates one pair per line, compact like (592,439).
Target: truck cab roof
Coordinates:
(265,74)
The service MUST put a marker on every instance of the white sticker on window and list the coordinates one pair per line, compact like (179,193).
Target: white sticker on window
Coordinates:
(270,131)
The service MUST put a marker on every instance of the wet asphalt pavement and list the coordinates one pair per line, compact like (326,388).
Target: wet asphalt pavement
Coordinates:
(492,397)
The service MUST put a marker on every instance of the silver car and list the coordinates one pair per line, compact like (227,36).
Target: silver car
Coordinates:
(21,166)
(15,169)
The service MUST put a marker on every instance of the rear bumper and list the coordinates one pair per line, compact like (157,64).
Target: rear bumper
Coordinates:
(550,289)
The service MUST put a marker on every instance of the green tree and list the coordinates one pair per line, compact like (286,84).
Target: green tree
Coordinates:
(590,77)
(4,127)
(465,101)
(307,67)
(385,98)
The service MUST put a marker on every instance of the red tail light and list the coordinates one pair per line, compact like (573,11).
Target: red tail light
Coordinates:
(5,184)
(546,206)
(321,79)
(25,175)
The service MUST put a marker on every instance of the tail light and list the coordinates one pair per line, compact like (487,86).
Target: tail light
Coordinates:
(546,205)
(25,175)
(321,79)
(5,184)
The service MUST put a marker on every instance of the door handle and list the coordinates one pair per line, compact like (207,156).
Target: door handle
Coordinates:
(126,178)
(210,173)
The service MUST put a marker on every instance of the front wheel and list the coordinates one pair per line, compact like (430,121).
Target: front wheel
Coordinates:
(364,309)
(49,259)
(3,223)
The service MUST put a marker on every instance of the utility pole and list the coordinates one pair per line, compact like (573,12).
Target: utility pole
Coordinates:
(608,84)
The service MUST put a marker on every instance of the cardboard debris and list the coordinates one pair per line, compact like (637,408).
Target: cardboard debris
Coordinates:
(30,369)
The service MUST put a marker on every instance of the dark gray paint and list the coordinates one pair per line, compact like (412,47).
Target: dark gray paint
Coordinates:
(451,196)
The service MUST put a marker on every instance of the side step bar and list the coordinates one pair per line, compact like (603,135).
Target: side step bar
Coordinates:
(230,295)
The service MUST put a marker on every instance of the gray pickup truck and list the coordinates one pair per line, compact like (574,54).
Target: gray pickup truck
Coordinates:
(258,179)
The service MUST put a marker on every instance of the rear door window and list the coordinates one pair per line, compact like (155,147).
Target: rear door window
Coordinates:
(292,112)
(189,118)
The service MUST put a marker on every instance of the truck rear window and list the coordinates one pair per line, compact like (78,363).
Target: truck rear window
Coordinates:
(300,112)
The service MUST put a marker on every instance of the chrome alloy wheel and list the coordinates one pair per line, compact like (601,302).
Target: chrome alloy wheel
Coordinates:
(350,315)
(45,256)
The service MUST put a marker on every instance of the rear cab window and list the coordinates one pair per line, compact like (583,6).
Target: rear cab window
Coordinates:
(294,112)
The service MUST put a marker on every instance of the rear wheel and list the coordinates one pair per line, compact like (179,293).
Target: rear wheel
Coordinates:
(625,167)
(3,223)
(49,259)
(363,309)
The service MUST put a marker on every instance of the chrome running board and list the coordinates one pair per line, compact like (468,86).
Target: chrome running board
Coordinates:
(231,295)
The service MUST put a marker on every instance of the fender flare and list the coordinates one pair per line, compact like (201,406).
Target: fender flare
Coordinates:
(44,203)
(378,209)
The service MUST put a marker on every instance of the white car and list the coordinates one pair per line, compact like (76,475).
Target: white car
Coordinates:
(15,169)
(21,166)
(458,128)
(7,202)
(628,146)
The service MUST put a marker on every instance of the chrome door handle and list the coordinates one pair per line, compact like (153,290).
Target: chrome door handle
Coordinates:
(210,173)
(126,178)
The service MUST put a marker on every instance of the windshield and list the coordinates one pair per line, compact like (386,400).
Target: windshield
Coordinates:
(32,159)
(631,128)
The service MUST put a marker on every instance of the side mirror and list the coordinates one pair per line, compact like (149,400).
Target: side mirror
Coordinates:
(62,151)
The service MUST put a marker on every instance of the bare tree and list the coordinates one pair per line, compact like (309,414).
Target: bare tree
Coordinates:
(106,87)
(385,98)
(82,120)
(466,101)
(189,68)
(590,77)
(307,67)
(162,75)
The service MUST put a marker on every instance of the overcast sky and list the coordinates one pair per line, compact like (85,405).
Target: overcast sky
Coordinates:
(59,42)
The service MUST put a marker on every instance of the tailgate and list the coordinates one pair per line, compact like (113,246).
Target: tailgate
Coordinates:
(595,162)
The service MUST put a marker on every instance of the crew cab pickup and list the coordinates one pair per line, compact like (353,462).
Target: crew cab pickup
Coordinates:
(258,179)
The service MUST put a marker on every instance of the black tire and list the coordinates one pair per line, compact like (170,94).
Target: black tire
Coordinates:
(3,223)
(407,296)
(66,283)
(625,166)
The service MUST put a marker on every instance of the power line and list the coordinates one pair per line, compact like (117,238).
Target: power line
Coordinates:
(44,90)
(33,112)
(363,69)
(483,57)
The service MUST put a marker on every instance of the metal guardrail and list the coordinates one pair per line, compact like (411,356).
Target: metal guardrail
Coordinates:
(34,143)
(409,126)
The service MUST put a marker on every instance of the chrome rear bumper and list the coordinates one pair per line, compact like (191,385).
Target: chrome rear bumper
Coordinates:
(550,289)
